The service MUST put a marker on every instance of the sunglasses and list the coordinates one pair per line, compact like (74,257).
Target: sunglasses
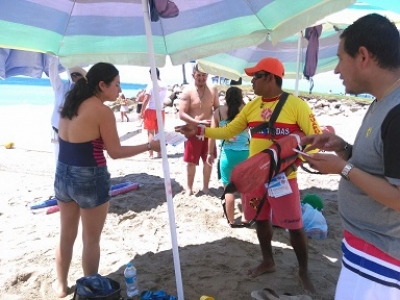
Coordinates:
(259,75)
(76,74)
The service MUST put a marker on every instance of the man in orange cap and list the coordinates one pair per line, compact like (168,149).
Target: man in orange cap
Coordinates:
(295,115)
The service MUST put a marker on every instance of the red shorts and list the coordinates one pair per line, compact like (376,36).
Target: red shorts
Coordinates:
(286,210)
(194,149)
(150,119)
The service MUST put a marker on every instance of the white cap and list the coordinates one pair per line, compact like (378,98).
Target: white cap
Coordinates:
(77,70)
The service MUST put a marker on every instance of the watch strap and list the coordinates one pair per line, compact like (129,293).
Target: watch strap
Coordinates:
(346,170)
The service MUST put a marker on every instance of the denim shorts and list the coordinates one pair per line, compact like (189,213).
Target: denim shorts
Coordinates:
(87,186)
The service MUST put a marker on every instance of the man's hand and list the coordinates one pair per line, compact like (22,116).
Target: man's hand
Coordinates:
(188,130)
(326,141)
(205,122)
(210,159)
(326,163)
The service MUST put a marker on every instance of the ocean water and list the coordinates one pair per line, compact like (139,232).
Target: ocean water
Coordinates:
(33,91)
(26,106)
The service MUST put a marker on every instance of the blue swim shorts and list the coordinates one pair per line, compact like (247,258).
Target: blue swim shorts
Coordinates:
(87,186)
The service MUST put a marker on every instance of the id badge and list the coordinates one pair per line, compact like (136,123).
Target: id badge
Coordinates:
(279,186)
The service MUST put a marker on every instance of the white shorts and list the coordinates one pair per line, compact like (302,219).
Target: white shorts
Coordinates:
(367,272)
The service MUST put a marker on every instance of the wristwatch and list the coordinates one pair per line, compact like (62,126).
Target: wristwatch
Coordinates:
(346,170)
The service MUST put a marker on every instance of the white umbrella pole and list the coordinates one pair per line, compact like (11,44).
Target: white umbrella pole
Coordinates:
(296,88)
(167,179)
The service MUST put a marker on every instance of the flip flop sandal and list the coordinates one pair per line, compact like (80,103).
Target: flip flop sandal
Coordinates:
(269,294)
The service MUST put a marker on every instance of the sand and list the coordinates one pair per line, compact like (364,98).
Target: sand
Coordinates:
(214,257)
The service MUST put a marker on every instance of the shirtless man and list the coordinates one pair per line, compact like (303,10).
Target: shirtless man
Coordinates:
(196,107)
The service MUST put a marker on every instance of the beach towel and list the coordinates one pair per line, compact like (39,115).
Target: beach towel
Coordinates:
(312,34)
(26,63)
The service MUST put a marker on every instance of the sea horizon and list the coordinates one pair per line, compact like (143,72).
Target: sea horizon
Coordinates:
(38,91)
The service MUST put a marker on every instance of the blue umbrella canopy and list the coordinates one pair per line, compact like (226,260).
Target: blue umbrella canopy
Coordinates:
(83,32)
(231,64)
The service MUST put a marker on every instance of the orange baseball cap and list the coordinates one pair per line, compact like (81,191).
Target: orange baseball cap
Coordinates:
(268,64)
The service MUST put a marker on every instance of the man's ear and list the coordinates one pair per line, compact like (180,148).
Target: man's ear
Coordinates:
(364,56)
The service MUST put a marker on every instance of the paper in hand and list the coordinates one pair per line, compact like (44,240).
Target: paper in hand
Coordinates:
(171,138)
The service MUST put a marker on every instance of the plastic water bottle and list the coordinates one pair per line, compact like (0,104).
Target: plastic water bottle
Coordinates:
(131,281)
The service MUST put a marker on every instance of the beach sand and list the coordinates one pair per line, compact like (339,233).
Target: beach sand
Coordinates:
(214,257)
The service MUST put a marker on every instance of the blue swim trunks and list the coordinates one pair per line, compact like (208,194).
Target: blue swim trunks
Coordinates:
(87,186)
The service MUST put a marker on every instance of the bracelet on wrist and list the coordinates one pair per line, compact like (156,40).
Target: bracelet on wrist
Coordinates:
(148,146)
(200,132)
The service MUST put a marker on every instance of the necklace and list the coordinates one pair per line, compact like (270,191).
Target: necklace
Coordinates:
(202,95)
(375,103)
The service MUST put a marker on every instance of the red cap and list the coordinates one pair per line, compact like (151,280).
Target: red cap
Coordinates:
(268,64)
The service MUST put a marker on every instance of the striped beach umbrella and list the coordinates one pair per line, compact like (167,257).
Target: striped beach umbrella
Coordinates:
(231,64)
(83,32)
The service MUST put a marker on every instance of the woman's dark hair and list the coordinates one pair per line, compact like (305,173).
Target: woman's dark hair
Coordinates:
(234,100)
(85,88)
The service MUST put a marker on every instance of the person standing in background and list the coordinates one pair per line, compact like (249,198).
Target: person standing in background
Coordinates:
(60,89)
(149,108)
(139,103)
(233,150)
(196,106)
(139,100)
(124,108)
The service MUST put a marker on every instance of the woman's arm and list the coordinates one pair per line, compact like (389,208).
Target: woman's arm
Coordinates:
(144,105)
(109,135)
(211,142)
